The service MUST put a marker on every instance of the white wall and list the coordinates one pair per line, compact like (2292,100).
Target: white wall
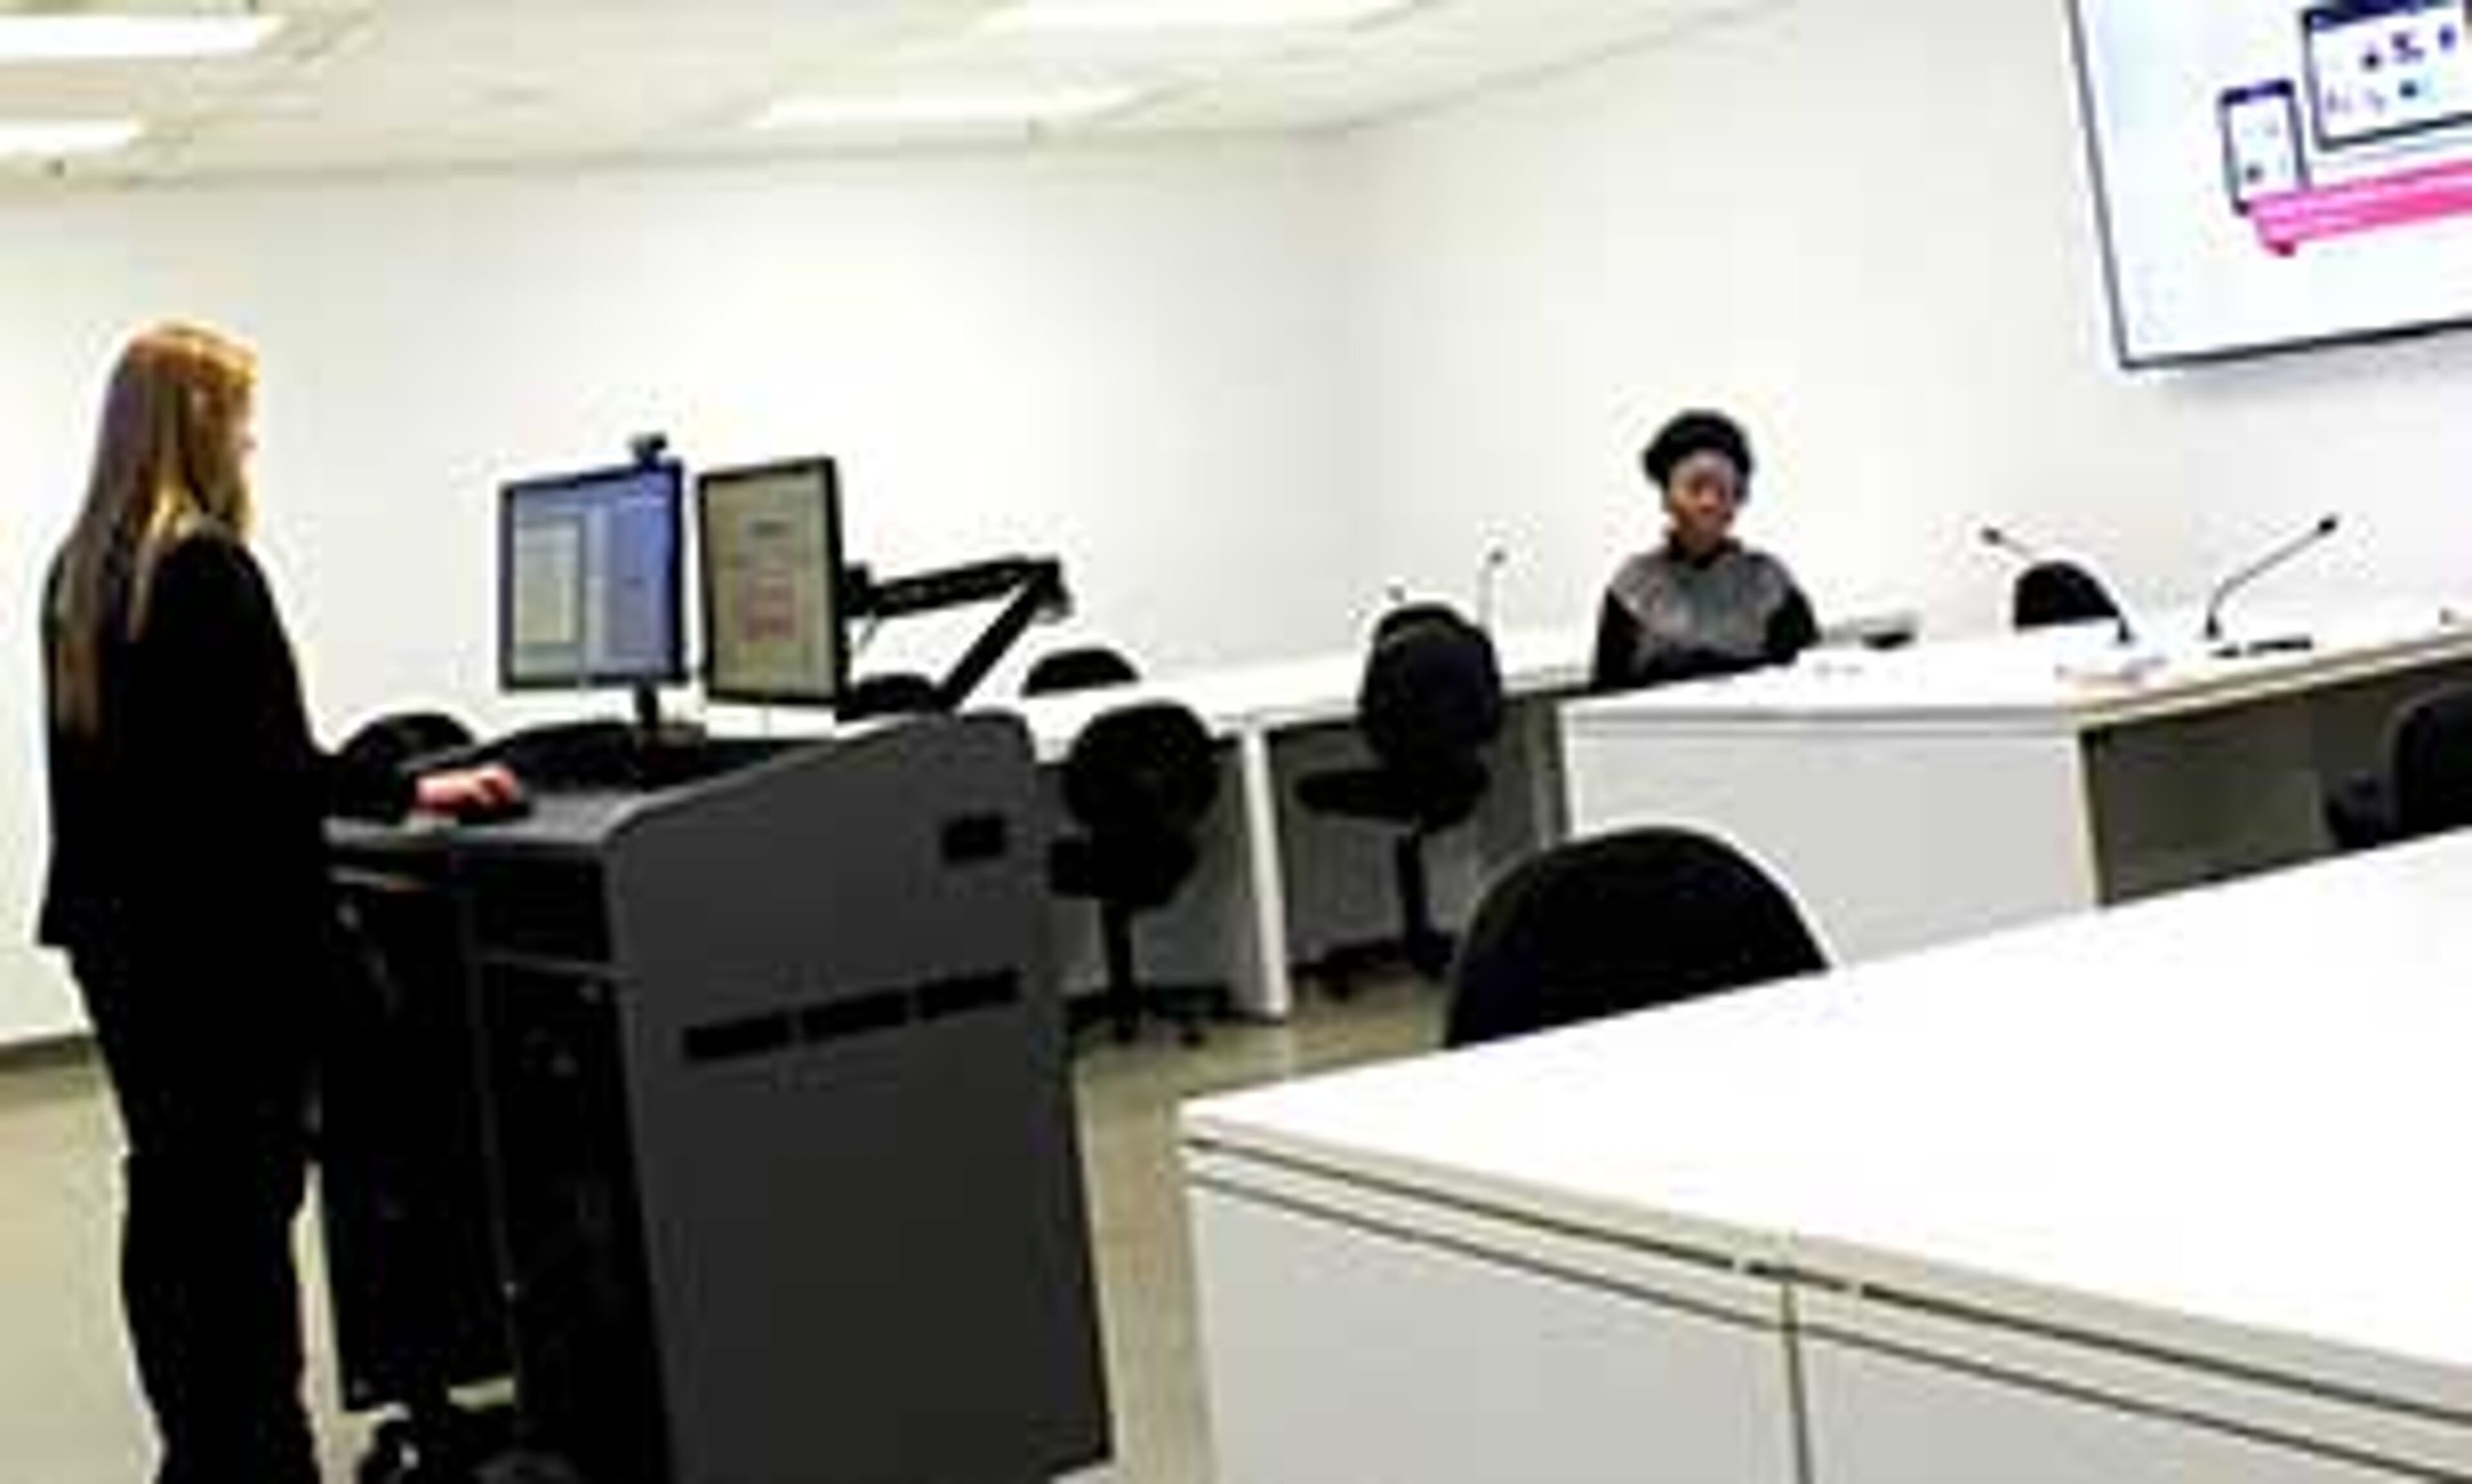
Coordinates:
(1120,358)
(1866,226)
(1242,388)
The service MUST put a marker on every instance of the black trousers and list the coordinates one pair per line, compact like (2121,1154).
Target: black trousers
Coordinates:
(213,1094)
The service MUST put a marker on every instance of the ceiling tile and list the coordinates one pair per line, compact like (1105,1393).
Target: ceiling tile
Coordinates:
(368,85)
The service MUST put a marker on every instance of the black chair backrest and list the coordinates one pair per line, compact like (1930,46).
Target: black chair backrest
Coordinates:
(400,741)
(1620,923)
(893,693)
(1089,669)
(1142,771)
(2053,592)
(2433,766)
(1409,615)
(1432,698)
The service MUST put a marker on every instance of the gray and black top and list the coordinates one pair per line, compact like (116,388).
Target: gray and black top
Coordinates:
(1668,618)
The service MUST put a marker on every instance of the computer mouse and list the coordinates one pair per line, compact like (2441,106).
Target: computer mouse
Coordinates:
(494,810)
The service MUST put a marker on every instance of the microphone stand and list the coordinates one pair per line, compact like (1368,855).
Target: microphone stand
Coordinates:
(1489,576)
(2007,544)
(2271,562)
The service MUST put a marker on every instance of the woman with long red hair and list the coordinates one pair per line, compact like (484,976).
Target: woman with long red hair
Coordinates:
(188,887)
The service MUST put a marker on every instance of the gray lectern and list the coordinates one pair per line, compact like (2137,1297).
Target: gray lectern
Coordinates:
(778,1119)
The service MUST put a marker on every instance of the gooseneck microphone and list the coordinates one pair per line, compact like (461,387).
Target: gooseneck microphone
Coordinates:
(1489,578)
(2098,598)
(2002,541)
(2271,562)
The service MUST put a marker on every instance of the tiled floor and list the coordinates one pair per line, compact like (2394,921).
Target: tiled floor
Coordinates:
(68,1415)
(1145,1260)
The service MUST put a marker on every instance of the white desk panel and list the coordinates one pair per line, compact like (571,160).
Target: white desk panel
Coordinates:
(1881,1418)
(1903,1392)
(1354,1338)
(1887,843)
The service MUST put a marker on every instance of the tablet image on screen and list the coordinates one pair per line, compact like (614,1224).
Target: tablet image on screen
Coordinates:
(2383,68)
(2262,142)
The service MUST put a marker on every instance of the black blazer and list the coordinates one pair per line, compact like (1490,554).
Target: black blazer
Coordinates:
(188,833)
(1618,665)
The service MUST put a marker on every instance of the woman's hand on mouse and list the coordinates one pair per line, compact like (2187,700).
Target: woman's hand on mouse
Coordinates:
(464,789)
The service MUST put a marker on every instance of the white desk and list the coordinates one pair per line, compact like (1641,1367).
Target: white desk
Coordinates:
(1930,794)
(1250,709)
(2167,1193)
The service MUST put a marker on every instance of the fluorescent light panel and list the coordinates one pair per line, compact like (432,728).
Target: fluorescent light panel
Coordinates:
(52,139)
(95,38)
(1168,17)
(886,110)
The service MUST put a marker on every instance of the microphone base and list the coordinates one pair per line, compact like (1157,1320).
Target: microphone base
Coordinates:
(2264,648)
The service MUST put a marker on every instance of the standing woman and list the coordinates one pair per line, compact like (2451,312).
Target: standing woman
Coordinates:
(188,887)
(1701,604)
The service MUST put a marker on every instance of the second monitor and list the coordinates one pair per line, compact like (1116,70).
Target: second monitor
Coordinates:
(774,629)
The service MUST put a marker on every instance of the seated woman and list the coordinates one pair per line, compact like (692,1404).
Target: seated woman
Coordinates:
(1702,604)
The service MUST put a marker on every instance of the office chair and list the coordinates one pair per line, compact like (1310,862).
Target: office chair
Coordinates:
(1402,617)
(1139,783)
(2053,592)
(898,693)
(1429,704)
(1620,923)
(400,741)
(2427,786)
(1089,669)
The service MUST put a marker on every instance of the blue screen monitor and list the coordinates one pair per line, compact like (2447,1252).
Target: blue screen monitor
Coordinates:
(589,579)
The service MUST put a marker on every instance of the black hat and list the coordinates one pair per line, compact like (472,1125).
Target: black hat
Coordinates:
(1690,435)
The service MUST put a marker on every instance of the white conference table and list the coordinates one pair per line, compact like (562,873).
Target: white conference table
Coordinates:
(1251,708)
(1258,709)
(1925,795)
(2170,1192)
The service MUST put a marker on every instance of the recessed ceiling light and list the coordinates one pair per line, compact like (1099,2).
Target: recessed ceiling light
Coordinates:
(888,110)
(63,138)
(91,37)
(1187,15)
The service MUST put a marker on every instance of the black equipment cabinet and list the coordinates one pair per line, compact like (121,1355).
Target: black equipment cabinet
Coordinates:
(411,1260)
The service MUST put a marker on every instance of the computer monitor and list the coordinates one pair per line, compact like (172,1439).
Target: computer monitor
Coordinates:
(774,629)
(589,578)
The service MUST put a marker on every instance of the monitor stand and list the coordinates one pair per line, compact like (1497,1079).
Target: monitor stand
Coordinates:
(668,753)
(653,734)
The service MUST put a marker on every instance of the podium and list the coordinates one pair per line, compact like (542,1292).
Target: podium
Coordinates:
(781,1177)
